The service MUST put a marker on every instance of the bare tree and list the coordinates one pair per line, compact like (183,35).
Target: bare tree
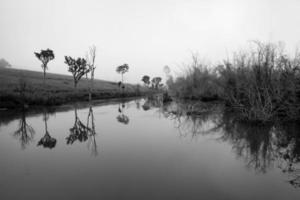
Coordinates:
(92,144)
(25,132)
(91,57)
(77,67)
(45,56)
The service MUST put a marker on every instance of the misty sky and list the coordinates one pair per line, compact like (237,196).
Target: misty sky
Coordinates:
(146,34)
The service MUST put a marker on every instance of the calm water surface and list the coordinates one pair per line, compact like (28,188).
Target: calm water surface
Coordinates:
(143,150)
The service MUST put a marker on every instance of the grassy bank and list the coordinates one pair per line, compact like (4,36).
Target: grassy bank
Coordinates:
(21,86)
(261,84)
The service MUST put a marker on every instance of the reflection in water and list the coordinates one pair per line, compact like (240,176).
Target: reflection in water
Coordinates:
(288,151)
(189,124)
(155,101)
(79,131)
(265,146)
(138,104)
(261,147)
(84,133)
(47,141)
(25,132)
(92,144)
(122,118)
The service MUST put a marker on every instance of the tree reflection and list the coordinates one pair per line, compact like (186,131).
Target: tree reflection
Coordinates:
(92,144)
(251,142)
(25,132)
(122,118)
(79,131)
(265,146)
(189,124)
(138,104)
(47,141)
(260,146)
(288,151)
(155,101)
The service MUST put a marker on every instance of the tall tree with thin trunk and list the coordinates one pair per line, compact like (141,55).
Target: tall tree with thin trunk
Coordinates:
(78,68)
(122,69)
(91,57)
(45,56)
(47,141)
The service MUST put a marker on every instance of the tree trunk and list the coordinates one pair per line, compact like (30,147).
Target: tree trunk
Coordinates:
(44,81)
(91,86)
(122,85)
(75,87)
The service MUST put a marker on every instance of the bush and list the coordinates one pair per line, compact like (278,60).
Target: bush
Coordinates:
(199,81)
(261,84)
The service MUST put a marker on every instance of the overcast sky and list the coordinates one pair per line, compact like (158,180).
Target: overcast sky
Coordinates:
(146,34)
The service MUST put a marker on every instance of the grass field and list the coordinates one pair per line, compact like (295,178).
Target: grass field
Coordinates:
(58,89)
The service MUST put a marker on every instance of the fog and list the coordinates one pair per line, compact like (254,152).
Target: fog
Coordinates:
(145,34)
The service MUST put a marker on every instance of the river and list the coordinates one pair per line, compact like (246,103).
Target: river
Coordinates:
(143,149)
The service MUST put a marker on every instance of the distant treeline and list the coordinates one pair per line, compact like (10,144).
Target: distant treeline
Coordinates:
(261,84)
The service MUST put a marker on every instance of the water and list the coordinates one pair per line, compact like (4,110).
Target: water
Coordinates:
(143,150)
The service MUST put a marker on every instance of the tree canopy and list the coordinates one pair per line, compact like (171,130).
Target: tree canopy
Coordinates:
(155,82)
(146,79)
(78,67)
(45,56)
(122,69)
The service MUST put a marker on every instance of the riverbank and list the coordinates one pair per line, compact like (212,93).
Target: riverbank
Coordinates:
(23,87)
(261,84)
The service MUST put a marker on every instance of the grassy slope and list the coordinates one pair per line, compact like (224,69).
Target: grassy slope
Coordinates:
(59,88)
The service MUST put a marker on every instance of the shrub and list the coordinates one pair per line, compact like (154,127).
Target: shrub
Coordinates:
(262,84)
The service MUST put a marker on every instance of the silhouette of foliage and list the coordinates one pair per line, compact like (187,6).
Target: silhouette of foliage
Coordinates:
(25,132)
(47,141)
(78,132)
(122,69)
(146,80)
(45,56)
(155,82)
(78,68)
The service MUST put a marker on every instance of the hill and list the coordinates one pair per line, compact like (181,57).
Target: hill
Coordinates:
(59,88)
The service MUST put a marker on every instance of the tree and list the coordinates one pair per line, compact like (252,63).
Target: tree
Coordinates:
(167,70)
(79,131)
(155,82)
(91,57)
(25,132)
(47,141)
(122,69)
(146,80)
(122,118)
(4,63)
(169,78)
(77,67)
(45,56)
(92,144)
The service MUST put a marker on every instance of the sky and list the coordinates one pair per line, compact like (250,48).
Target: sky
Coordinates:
(145,34)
